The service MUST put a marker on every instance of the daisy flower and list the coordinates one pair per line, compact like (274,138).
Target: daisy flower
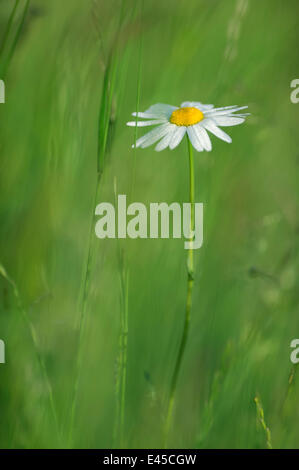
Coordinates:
(193,118)
(171,124)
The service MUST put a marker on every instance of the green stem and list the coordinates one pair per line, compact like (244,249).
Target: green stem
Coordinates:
(84,298)
(16,39)
(8,27)
(190,281)
(104,122)
(121,376)
(125,333)
(137,107)
(261,418)
(34,338)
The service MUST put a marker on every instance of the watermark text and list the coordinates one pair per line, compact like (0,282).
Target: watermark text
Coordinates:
(163,220)
(295,353)
(2,92)
(2,352)
(294,97)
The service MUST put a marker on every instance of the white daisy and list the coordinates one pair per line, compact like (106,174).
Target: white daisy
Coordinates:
(192,117)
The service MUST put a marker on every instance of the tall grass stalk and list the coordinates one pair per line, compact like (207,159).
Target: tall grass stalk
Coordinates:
(103,130)
(291,382)
(137,104)
(121,372)
(105,122)
(124,352)
(190,282)
(261,418)
(34,339)
(8,27)
(7,60)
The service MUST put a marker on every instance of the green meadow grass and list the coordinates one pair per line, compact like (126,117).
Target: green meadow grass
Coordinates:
(74,72)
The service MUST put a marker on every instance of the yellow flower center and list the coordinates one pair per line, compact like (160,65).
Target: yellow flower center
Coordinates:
(186,116)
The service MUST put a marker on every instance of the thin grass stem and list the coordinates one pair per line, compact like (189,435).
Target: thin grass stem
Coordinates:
(291,381)
(137,106)
(8,27)
(104,122)
(125,332)
(15,41)
(83,304)
(261,419)
(33,335)
(123,343)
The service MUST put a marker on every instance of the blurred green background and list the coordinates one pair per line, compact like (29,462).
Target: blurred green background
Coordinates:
(245,299)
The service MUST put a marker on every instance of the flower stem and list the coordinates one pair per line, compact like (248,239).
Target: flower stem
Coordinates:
(190,281)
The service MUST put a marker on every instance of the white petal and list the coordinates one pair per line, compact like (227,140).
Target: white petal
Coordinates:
(211,126)
(228,120)
(145,123)
(154,135)
(203,137)
(163,144)
(224,108)
(177,136)
(197,104)
(224,111)
(205,107)
(148,115)
(161,109)
(194,138)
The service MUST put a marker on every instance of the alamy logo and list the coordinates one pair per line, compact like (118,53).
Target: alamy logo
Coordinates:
(158,221)
(2,352)
(295,93)
(295,353)
(2,91)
